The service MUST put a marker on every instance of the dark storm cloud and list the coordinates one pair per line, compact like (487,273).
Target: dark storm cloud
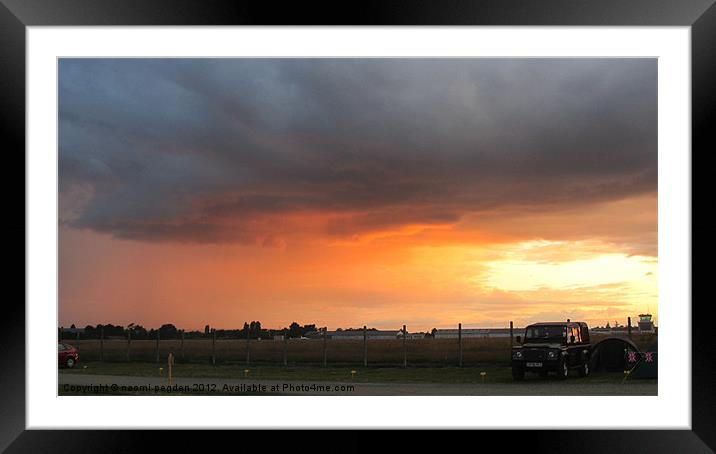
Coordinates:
(207,150)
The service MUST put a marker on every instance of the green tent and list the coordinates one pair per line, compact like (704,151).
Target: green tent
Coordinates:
(610,354)
(647,367)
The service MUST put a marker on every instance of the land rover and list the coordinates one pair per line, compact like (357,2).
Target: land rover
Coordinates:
(552,347)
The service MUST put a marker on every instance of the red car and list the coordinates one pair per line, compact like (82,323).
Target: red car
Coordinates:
(67,355)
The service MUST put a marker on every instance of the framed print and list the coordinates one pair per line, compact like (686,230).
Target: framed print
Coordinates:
(472,216)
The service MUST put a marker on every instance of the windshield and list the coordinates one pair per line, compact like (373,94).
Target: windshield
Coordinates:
(545,334)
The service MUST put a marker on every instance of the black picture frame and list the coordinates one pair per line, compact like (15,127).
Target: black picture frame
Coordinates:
(16,15)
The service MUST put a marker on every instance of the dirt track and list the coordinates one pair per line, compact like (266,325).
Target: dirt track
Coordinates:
(278,387)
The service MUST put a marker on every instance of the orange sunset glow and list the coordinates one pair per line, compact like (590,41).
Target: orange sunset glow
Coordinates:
(351,192)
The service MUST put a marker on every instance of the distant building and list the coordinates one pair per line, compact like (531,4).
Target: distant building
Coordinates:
(476,333)
(357,334)
(610,330)
(645,323)
(645,326)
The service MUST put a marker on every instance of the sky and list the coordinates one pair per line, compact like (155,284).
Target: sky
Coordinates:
(351,192)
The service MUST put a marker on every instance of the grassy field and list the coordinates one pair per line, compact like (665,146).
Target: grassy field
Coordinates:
(385,353)
(494,373)
(431,362)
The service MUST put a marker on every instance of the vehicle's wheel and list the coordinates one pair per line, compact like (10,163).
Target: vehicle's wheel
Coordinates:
(70,363)
(584,370)
(562,370)
(518,373)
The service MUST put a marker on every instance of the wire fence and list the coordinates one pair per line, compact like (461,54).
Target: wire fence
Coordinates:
(404,351)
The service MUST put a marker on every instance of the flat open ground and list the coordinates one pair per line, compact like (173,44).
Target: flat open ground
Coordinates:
(305,352)
(268,380)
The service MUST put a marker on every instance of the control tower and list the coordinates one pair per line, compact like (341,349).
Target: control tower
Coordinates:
(645,323)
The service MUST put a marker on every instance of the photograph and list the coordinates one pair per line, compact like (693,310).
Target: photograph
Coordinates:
(355,226)
(455,218)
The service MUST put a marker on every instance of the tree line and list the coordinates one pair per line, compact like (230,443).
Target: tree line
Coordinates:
(251,330)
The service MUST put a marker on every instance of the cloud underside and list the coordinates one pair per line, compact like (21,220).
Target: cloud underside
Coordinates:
(253,151)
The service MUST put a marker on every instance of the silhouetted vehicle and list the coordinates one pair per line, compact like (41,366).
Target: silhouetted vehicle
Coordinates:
(67,355)
(552,347)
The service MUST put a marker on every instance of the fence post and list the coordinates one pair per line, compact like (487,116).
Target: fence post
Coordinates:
(101,344)
(129,342)
(157,346)
(170,363)
(325,356)
(213,347)
(248,347)
(405,347)
(365,346)
(459,342)
(629,326)
(181,346)
(285,348)
(511,339)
